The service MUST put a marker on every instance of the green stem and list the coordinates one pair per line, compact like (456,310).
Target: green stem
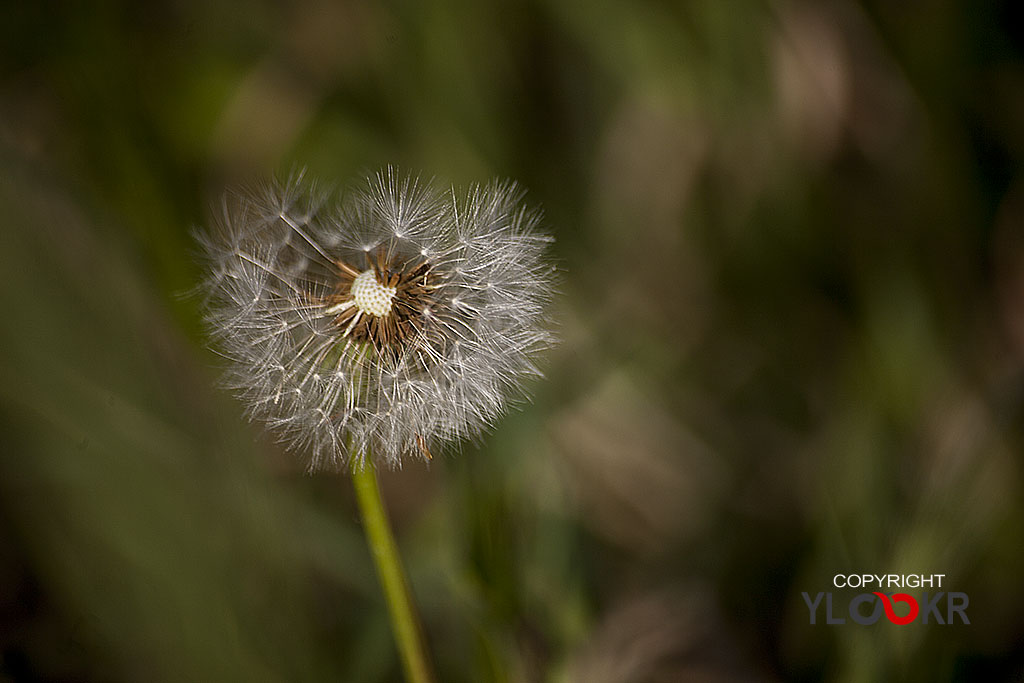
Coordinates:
(389,570)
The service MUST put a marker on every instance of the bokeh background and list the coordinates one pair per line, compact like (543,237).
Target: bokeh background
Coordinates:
(791,243)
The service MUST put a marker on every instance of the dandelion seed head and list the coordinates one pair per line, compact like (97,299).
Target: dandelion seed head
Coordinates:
(388,323)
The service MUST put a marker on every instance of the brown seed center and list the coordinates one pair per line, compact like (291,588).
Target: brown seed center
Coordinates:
(387,304)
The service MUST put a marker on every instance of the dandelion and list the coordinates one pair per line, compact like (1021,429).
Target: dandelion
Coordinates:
(400,320)
(375,331)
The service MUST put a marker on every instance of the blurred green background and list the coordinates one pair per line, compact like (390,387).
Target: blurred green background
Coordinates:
(791,244)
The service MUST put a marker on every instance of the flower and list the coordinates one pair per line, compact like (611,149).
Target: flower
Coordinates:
(402,319)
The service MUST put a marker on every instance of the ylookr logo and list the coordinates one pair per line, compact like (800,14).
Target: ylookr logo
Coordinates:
(928,608)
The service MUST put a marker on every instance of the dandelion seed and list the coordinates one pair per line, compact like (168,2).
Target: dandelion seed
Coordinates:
(402,319)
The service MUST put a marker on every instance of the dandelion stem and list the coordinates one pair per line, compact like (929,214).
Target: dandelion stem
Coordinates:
(404,622)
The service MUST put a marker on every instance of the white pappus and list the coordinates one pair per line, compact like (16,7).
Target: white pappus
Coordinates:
(398,319)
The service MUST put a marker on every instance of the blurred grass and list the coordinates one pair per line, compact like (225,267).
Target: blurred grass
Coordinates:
(793,274)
